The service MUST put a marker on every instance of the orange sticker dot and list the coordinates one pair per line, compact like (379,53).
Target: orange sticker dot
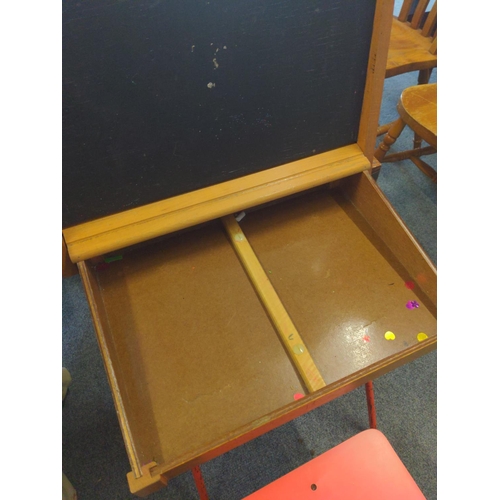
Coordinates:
(422,278)
(389,336)
(421,336)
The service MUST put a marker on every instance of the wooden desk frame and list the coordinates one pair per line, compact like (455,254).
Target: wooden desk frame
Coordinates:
(350,166)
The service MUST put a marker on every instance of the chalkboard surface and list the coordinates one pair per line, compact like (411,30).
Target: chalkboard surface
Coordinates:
(162,97)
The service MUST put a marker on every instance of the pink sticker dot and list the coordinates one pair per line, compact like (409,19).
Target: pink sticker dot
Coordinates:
(298,396)
(412,304)
(366,338)
(410,285)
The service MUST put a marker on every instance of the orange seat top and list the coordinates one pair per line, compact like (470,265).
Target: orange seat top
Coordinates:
(363,467)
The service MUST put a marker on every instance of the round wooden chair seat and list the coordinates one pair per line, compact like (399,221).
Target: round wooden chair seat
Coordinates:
(408,50)
(417,108)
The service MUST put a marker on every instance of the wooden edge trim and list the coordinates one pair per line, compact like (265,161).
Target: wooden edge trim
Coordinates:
(294,410)
(377,209)
(147,483)
(431,21)
(115,390)
(117,231)
(375,77)
(282,322)
(68,268)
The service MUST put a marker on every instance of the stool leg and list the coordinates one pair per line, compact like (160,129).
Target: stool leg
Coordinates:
(389,139)
(370,400)
(200,484)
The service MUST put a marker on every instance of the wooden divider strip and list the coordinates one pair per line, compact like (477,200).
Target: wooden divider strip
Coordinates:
(286,329)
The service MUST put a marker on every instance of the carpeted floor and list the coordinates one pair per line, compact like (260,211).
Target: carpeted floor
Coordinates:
(94,457)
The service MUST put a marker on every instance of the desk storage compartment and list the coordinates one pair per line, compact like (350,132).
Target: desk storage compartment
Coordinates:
(341,284)
(184,337)
(194,362)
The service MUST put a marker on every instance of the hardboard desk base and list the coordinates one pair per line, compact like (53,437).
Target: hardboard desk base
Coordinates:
(198,359)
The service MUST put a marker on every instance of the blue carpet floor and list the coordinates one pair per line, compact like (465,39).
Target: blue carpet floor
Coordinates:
(94,457)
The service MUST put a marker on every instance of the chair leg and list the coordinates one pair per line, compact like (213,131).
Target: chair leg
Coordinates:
(417,141)
(389,139)
(424,75)
(406,155)
(425,168)
(200,484)
(383,129)
(370,400)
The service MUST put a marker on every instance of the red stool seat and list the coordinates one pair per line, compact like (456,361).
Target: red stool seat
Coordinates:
(364,467)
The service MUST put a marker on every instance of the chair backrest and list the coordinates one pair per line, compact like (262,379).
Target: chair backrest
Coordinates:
(414,13)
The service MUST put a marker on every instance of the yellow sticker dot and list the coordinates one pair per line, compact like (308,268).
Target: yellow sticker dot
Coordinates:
(298,349)
(390,336)
(421,336)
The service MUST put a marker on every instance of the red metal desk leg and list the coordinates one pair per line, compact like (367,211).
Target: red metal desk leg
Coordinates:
(370,400)
(200,484)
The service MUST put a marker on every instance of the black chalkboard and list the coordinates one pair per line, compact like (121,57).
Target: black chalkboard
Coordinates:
(162,97)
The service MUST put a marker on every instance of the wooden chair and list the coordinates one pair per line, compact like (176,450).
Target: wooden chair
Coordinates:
(417,108)
(364,466)
(413,44)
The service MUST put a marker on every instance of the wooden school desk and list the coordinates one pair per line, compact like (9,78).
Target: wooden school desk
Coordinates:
(213,323)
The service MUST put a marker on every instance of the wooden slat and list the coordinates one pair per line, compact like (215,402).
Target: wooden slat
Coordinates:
(433,47)
(289,335)
(419,12)
(430,23)
(141,224)
(405,11)
(375,76)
